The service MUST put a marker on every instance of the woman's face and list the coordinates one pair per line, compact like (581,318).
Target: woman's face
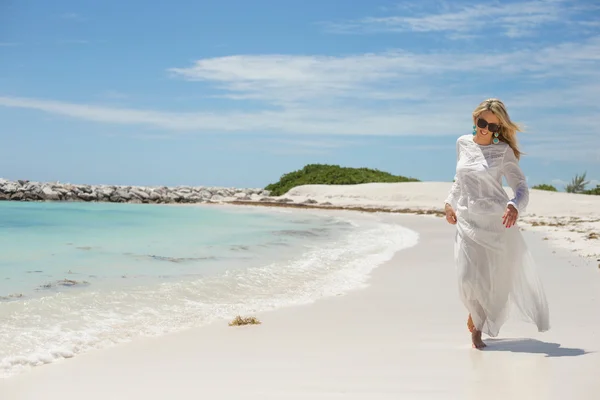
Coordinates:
(490,118)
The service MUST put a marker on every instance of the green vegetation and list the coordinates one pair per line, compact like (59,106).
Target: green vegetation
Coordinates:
(577,185)
(544,186)
(595,191)
(324,174)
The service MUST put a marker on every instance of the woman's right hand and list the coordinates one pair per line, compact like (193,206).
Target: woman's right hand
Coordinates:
(450,214)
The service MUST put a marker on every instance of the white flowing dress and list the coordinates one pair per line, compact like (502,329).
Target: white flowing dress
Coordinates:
(495,268)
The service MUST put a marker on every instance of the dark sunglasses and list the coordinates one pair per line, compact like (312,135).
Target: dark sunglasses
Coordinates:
(482,123)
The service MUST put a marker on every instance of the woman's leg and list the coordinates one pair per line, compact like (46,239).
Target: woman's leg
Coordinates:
(476,340)
(478,343)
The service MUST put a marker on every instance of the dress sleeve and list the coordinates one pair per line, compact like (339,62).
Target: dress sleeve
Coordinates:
(454,193)
(516,180)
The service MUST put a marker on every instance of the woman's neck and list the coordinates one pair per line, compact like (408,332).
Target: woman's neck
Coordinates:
(481,141)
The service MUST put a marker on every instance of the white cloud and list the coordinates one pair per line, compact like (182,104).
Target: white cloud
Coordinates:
(559,184)
(397,75)
(286,120)
(319,143)
(72,16)
(114,94)
(73,41)
(512,19)
(390,93)
(583,151)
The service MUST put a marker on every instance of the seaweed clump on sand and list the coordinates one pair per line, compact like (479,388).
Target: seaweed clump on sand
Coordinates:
(239,321)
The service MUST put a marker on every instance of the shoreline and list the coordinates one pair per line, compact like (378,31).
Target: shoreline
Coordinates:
(321,268)
(568,221)
(403,334)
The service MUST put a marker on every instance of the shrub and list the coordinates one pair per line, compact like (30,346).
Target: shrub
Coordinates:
(594,191)
(544,186)
(324,174)
(577,185)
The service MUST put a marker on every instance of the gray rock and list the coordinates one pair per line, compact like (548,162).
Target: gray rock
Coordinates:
(10,188)
(140,194)
(24,190)
(50,194)
(17,196)
(105,191)
(123,194)
(87,196)
(205,194)
(154,195)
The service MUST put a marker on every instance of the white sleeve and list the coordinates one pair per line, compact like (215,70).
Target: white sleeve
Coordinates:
(454,193)
(516,180)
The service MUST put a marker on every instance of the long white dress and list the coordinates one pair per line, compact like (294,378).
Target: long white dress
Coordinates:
(495,268)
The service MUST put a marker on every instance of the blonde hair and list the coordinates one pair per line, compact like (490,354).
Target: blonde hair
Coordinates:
(508,129)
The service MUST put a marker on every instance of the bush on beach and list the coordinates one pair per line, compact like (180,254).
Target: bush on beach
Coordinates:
(325,174)
(546,187)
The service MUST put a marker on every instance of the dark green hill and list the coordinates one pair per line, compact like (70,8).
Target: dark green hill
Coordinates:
(324,174)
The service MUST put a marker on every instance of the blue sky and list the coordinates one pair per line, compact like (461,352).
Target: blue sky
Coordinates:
(237,93)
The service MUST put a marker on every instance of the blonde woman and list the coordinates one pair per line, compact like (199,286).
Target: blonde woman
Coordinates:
(495,269)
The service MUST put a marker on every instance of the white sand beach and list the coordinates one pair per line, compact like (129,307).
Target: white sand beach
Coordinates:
(402,337)
(569,221)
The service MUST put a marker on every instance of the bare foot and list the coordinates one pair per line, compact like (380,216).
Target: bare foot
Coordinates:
(476,339)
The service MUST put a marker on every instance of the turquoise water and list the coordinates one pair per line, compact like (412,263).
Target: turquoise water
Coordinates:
(45,243)
(75,277)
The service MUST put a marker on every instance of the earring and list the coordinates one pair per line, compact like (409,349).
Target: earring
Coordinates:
(496,140)
(474,130)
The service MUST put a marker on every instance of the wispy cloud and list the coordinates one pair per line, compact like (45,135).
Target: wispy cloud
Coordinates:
(114,94)
(298,120)
(72,16)
(391,75)
(73,41)
(315,143)
(460,20)
(389,93)
(582,149)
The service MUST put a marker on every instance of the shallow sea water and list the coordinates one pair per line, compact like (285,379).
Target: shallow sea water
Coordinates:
(81,276)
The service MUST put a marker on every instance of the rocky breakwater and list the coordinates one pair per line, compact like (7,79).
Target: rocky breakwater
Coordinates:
(23,190)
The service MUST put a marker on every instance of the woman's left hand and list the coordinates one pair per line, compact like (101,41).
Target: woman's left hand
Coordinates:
(510,216)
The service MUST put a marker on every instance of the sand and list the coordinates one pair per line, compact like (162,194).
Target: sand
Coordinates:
(569,221)
(402,337)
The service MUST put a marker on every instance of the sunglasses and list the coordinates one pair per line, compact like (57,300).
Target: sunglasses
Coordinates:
(482,123)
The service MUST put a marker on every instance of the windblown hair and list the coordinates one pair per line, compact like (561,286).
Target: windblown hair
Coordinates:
(508,129)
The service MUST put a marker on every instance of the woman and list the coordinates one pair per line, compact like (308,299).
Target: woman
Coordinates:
(494,266)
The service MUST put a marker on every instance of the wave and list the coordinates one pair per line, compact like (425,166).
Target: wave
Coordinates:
(41,330)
